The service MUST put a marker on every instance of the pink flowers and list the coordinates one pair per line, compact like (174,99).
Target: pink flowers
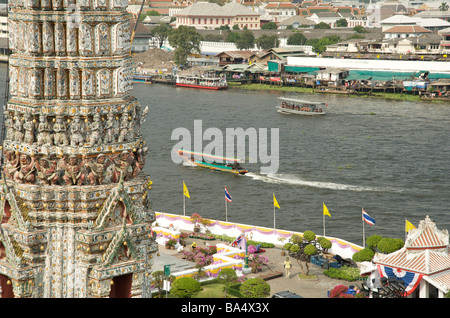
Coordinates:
(202,256)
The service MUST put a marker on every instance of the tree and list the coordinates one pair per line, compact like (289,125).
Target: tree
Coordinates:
(233,36)
(228,276)
(269,26)
(296,38)
(255,288)
(359,29)
(185,40)
(185,287)
(322,25)
(443,6)
(341,23)
(265,42)
(158,279)
(161,32)
(246,41)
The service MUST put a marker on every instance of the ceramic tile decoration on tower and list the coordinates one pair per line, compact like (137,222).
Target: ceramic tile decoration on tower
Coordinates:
(75,210)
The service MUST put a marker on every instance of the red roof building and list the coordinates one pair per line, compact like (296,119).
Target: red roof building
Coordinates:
(423,262)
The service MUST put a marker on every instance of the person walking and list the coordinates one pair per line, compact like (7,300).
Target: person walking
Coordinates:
(287,267)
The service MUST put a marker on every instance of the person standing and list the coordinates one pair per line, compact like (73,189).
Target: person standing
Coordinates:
(287,267)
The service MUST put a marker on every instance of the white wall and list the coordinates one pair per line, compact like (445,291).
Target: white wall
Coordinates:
(441,67)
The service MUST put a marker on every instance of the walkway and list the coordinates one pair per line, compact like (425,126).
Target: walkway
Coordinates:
(307,288)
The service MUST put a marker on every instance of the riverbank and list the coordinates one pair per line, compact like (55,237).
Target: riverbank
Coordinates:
(310,90)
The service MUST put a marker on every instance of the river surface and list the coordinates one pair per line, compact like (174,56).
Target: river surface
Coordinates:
(389,157)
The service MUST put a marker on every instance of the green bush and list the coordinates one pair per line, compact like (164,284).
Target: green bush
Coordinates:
(389,245)
(373,240)
(325,243)
(296,239)
(364,255)
(345,272)
(309,236)
(185,287)
(310,249)
(287,246)
(255,288)
(294,249)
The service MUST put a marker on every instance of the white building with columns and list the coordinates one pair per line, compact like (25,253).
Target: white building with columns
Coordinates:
(205,15)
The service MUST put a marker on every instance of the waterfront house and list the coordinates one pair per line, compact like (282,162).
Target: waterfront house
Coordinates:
(445,40)
(423,263)
(234,57)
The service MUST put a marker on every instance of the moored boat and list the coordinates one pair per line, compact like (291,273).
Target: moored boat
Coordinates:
(301,107)
(201,82)
(212,162)
(142,78)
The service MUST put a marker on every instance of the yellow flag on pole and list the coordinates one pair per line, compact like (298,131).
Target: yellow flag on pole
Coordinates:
(325,210)
(275,202)
(408,226)
(185,190)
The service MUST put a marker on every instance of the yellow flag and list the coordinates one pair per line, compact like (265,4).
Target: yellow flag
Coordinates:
(185,190)
(325,210)
(408,226)
(275,202)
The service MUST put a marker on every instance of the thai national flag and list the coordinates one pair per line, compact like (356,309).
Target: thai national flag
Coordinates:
(366,218)
(227,195)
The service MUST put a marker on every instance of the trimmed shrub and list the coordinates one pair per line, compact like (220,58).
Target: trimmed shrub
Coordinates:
(255,288)
(185,287)
(363,255)
(389,245)
(373,240)
(309,236)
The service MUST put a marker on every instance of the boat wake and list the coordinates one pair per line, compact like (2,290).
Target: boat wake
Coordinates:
(295,180)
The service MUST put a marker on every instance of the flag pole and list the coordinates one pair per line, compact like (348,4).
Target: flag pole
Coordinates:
(274,216)
(364,235)
(184,201)
(226,208)
(323,217)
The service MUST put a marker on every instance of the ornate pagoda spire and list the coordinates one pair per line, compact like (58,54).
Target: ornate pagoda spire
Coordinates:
(75,212)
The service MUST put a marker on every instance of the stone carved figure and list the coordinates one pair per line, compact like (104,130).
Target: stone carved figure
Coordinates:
(98,169)
(95,131)
(44,132)
(9,124)
(111,127)
(140,160)
(124,128)
(73,170)
(29,128)
(59,128)
(47,171)
(25,173)
(122,166)
(11,164)
(76,132)
(19,132)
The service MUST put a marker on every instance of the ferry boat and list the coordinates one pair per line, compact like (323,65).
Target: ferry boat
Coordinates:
(201,82)
(301,107)
(212,162)
(142,78)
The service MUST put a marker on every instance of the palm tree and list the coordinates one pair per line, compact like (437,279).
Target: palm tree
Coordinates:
(443,6)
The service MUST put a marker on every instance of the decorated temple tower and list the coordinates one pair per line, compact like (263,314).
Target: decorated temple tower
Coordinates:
(75,210)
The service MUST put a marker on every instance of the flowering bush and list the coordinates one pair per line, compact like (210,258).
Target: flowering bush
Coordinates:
(202,256)
(256,261)
(338,291)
